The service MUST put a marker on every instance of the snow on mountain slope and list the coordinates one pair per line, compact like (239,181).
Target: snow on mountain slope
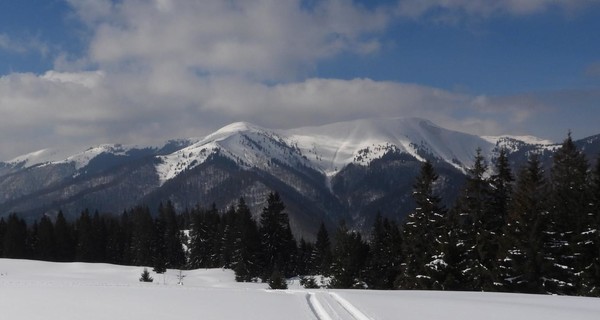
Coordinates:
(79,159)
(333,146)
(327,148)
(248,145)
(34,290)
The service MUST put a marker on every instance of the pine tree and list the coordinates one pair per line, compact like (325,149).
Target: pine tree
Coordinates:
(15,238)
(142,237)
(2,235)
(384,254)
(146,276)
(321,257)
(246,245)
(590,276)
(169,237)
(521,259)
(205,242)
(495,216)
(349,258)
(569,219)
(277,241)
(472,241)
(65,240)
(277,281)
(424,236)
(46,247)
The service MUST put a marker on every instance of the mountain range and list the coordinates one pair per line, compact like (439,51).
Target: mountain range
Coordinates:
(342,171)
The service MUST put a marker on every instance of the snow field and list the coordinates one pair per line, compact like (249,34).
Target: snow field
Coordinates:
(31,290)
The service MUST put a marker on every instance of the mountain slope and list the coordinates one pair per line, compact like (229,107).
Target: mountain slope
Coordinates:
(342,171)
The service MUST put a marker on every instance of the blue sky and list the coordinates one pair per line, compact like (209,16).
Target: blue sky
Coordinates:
(81,72)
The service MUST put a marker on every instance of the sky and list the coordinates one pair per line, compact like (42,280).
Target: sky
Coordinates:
(76,73)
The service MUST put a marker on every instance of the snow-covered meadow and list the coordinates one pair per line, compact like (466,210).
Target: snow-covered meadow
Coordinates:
(32,290)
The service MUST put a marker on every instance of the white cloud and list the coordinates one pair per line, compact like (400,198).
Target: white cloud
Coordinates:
(166,69)
(23,45)
(263,39)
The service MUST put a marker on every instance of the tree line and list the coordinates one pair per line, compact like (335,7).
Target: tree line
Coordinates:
(530,232)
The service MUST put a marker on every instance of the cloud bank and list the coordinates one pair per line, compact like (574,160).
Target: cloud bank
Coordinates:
(161,69)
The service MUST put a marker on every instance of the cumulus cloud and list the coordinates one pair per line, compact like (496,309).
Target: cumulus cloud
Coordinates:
(263,39)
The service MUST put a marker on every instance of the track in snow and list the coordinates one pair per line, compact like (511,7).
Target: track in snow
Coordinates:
(330,306)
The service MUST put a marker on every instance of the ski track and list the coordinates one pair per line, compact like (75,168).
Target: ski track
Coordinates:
(330,306)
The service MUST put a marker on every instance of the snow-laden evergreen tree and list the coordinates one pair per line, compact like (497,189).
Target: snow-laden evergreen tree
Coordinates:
(569,220)
(521,263)
(590,277)
(277,243)
(2,234)
(471,240)
(349,258)
(385,254)
(424,236)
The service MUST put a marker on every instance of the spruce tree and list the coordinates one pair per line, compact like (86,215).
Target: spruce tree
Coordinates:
(349,258)
(424,238)
(277,242)
(246,246)
(321,258)
(384,254)
(65,240)
(472,241)
(2,234)
(590,277)
(521,263)
(169,237)
(494,220)
(46,247)
(142,237)
(569,219)
(15,238)
(205,238)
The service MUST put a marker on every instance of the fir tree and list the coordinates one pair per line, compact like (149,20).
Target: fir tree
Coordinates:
(205,242)
(494,219)
(384,254)
(277,281)
(146,276)
(46,247)
(277,241)
(246,244)
(321,258)
(349,258)
(2,235)
(65,240)
(472,241)
(590,277)
(569,219)
(424,236)
(521,259)
(142,237)
(15,238)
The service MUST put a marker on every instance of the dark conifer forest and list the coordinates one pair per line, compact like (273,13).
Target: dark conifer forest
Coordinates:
(528,231)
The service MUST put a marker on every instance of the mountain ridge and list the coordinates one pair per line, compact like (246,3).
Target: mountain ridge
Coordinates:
(345,170)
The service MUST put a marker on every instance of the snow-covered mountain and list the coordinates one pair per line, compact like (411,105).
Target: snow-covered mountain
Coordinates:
(346,170)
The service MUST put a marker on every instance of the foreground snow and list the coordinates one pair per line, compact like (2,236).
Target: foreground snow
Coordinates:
(41,290)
